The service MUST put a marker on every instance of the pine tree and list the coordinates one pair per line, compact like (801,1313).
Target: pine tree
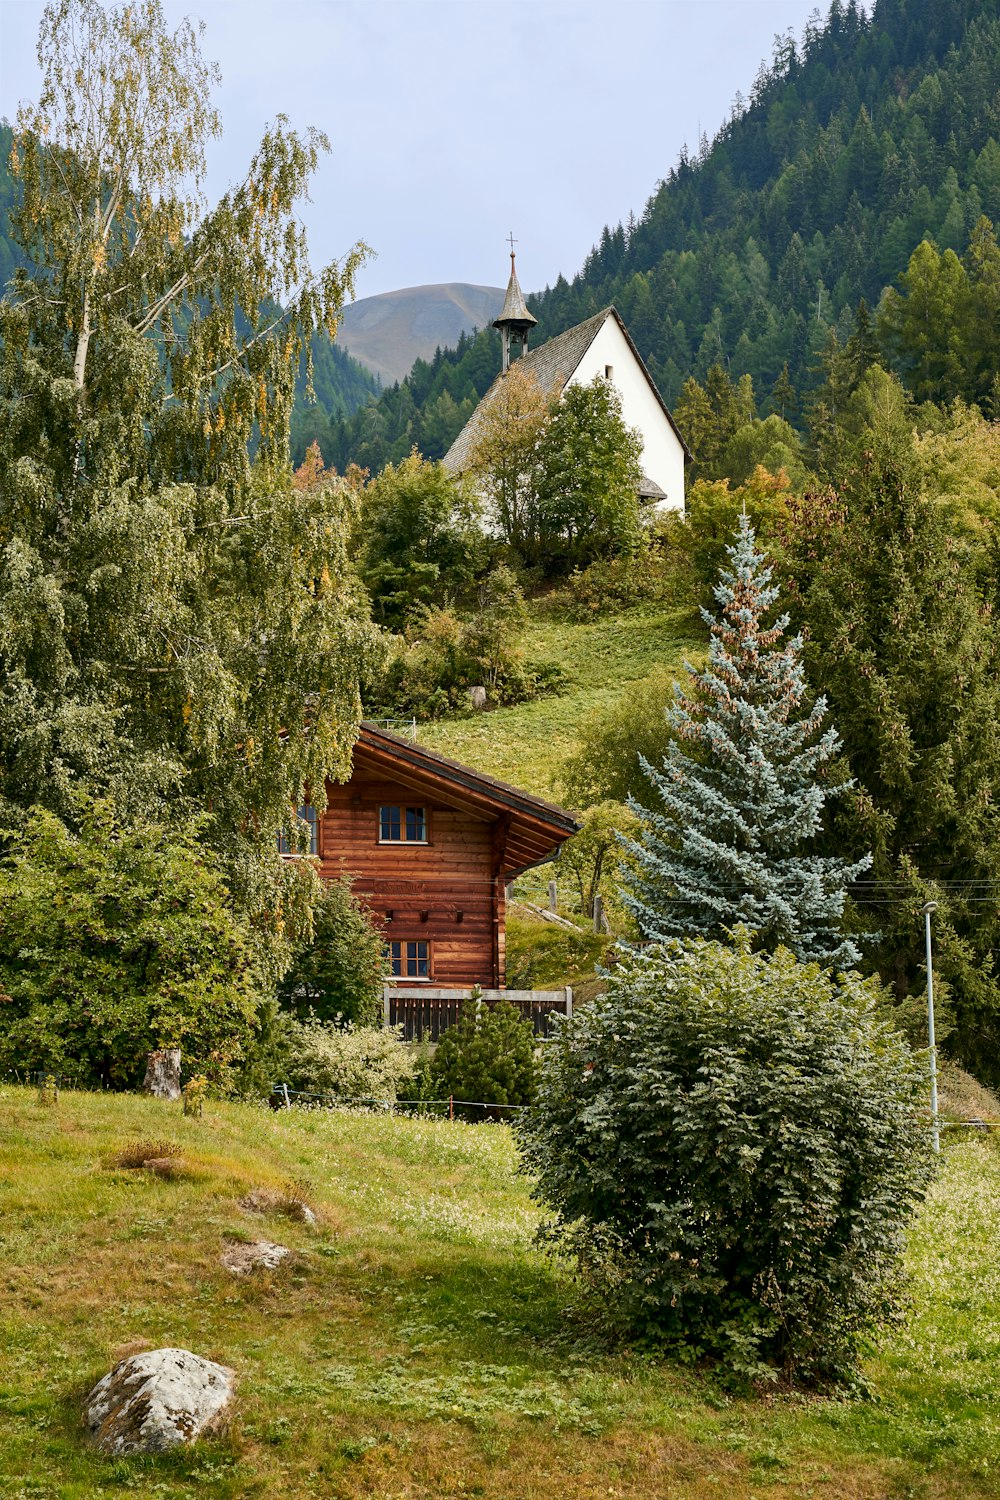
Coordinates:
(741,789)
(783,397)
(903,643)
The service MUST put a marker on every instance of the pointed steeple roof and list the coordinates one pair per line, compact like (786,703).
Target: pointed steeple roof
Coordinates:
(514,313)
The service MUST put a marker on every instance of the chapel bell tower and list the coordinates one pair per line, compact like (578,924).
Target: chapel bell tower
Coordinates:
(515,320)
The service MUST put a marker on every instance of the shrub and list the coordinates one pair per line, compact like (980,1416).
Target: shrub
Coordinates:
(613,584)
(712,510)
(350,1062)
(442,656)
(488,1058)
(542,955)
(594,861)
(606,767)
(731,1143)
(419,536)
(116,940)
(339,973)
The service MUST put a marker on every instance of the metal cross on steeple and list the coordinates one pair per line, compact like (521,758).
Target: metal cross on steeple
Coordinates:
(513,242)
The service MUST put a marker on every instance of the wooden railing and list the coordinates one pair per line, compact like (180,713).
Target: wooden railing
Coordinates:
(425,1012)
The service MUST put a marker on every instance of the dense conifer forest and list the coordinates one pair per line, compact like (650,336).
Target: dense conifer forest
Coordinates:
(859,142)
(870,140)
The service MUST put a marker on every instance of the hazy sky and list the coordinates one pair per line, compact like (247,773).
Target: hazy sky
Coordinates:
(453,123)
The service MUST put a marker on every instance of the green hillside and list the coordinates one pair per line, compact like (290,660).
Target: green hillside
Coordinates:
(421,1346)
(857,143)
(529,742)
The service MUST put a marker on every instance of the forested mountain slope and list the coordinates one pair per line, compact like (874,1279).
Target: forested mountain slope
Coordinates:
(868,136)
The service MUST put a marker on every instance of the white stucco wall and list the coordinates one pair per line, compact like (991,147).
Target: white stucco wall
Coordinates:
(662,453)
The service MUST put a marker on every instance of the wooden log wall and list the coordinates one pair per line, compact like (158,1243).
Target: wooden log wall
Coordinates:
(448,891)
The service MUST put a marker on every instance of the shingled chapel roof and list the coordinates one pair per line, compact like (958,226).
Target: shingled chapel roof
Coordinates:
(552,365)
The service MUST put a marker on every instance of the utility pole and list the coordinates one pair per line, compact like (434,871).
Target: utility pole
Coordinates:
(927,908)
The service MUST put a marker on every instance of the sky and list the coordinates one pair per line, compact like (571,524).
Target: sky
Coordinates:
(455,122)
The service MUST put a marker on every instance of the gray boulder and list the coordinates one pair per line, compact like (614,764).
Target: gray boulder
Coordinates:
(155,1400)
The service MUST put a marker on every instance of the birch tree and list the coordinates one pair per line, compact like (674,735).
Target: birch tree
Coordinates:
(179,627)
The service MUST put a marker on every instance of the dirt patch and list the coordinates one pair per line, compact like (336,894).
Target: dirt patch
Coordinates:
(137,1154)
(285,1201)
(243,1258)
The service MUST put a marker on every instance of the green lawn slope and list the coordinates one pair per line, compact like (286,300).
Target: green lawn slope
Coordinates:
(528,743)
(421,1346)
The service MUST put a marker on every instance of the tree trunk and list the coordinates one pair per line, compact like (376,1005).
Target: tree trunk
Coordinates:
(82,345)
(163,1073)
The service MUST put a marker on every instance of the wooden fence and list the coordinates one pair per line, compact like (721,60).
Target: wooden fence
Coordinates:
(426,1012)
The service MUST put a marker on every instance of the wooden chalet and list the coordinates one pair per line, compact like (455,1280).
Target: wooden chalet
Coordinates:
(431,846)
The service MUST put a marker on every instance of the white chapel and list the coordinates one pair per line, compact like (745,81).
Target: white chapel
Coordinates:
(600,346)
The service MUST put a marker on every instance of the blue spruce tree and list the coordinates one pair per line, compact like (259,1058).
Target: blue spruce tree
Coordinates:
(741,792)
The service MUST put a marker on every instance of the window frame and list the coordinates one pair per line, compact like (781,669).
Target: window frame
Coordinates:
(404,958)
(403,841)
(305,812)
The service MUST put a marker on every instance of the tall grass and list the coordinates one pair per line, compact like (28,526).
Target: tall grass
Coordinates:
(421,1346)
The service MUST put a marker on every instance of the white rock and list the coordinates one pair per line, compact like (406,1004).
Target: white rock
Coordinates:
(260,1255)
(155,1400)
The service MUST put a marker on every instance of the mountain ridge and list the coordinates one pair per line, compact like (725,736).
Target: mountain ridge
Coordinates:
(390,331)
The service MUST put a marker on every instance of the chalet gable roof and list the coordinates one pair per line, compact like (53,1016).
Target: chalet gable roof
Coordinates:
(535,828)
(553,365)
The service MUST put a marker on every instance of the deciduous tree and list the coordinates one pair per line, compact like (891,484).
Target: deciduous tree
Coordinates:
(336,973)
(588,477)
(903,644)
(419,538)
(503,460)
(177,625)
(117,938)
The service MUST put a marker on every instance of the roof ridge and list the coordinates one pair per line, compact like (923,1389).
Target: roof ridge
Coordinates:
(424,752)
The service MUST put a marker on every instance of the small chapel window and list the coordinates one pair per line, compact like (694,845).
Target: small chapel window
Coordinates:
(609,372)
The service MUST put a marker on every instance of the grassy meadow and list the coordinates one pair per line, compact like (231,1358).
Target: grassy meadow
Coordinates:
(421,1346)
(528,743)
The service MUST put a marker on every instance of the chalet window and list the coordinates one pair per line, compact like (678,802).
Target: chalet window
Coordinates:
(402,825)
(307,813)
(409,960)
